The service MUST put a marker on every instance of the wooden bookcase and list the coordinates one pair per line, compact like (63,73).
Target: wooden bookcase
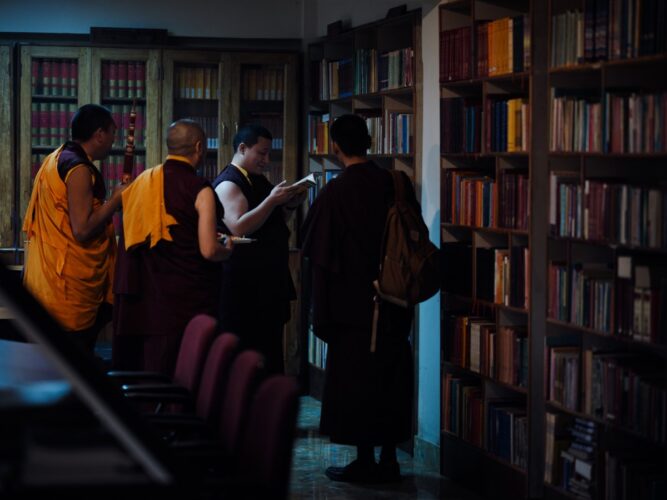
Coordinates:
(486,94)
(122,78)
(55,81)
(574,214)
(373,70)
(7,150)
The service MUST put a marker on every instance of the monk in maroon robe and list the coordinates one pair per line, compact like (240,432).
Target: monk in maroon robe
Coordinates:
(168,267)
(367,398)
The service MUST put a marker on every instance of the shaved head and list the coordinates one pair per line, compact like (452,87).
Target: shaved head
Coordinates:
(182,135)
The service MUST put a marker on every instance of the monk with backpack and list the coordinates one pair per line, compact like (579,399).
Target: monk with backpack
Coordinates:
(371,261)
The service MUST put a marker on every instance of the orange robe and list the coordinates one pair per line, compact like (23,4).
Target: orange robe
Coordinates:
(70,279)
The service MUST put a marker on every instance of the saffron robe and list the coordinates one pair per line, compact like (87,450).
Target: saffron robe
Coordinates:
(164,281)
(70,279)
(256,284)
(367,397)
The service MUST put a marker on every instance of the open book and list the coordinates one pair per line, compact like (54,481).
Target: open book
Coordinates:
(307,182)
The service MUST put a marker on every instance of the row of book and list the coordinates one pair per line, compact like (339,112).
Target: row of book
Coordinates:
(641,300)
(625,123)
(507,125)
(338,79)
(121,115)
(609,30)
(618,387)
(210,125)
(318,134)
(274,123)
(469,199)
(123,79)
(576,122)
(606,211)
(54,77)
(509,270)
(112,170)
(502,47)
(397,131)
(500,353)
(50,122)
(579,460)
(196,83)
(262,84)
(582,294)
(209,169)
(460,125)
(635,123)
(317,350)
(514,207)
(504,431)
(365,71)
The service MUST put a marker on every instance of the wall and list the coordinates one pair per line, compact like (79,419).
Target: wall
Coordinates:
(200,18)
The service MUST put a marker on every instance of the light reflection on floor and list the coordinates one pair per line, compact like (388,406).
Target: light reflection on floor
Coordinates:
(313,454)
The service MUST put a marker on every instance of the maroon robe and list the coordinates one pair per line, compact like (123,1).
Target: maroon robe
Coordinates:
(157,291)
(367,397)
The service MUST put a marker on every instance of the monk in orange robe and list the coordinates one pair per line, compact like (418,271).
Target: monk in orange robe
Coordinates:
(71,245)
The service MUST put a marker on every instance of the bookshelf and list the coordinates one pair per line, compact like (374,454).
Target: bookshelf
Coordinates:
(7,151)
(606,251)
(55,81)
(486,92)
(196,85)
(373,70)
(122,78)
(566,214)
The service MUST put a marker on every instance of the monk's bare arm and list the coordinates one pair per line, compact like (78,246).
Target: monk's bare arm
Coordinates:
(237,218)
(207,234)
(87,223)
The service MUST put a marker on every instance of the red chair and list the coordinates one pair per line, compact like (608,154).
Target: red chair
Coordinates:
(244,377)
(197,339)
(265,455)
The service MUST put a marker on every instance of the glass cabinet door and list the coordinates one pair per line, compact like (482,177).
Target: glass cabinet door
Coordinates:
(264,89)
(196,86)
(123,79)
(55,81)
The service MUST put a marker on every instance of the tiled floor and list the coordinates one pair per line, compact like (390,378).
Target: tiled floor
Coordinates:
(313,454)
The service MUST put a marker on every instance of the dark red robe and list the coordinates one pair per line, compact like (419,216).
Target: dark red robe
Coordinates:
(157,291)
(367,396)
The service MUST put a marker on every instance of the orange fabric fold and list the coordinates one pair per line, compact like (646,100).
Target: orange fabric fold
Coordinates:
(70,279)
(145,216)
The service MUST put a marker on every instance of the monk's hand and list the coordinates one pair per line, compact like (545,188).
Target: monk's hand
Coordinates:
(297,199)
(227,246)
(282,193)
(116,197)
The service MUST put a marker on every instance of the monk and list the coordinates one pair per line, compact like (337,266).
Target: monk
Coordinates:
(257,287)
(367,397)
(70,239)
(168,268)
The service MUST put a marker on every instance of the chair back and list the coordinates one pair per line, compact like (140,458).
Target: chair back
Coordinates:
(265,456)
(244,376)
(197,338)
(215,376)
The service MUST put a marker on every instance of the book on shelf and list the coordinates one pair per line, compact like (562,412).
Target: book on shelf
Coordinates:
(507,430)
(557,439)
(563,380)
(54,77)
(461,125)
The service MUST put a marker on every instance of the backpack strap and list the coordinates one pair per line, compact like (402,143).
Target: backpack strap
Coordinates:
(399,186)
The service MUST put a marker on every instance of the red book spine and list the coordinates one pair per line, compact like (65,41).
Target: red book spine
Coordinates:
(113,79)
(34,123)
(141,79)
(56,84)
(62,121)
(122,79)
(35,82)
(131,78)
(46,77)
(73,79)
(106,76)
(139,133)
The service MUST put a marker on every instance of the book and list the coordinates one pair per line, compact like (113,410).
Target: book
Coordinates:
(307,182)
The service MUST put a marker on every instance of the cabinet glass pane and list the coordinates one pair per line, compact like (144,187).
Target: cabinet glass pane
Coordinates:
(262,103)
(196,97)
